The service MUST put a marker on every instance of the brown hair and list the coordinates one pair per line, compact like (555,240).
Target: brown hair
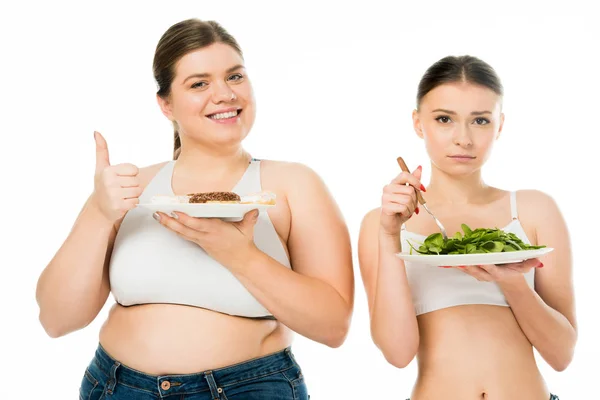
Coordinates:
(459,69)
(176,42)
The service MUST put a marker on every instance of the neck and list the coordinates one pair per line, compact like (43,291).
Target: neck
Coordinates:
(451,189)
(215,161)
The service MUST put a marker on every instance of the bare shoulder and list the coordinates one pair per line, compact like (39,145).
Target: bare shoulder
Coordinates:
(294,181)
(533,195)
(287,172)
(370,221)
(535,204)
(540,213)
(304,191)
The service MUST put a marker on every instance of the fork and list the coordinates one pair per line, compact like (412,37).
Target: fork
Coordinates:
(422,201)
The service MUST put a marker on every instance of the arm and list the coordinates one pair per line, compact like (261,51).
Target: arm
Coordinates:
(316,298)
(74,286)
(394,326)
(547,315)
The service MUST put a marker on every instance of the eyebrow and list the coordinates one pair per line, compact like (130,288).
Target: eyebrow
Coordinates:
(205,75)
(453,113)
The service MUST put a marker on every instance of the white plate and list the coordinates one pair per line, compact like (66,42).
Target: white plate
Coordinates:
(454,260)
(228,212)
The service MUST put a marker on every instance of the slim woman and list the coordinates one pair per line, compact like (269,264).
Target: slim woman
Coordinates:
(472,328)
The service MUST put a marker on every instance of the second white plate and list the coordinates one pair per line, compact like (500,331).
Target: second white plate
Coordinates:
(454,260)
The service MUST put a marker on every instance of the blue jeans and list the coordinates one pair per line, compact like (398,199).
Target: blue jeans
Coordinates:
(273,377)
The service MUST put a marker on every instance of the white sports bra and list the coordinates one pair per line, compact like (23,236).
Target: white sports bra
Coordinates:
(151,264)
(435,288)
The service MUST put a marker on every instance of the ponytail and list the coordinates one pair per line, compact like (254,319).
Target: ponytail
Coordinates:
(176,145)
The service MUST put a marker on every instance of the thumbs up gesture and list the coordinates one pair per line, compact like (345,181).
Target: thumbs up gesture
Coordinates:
(116,187)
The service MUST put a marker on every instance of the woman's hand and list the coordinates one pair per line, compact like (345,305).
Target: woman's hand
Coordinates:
(226,242)
(503,274)
(399,201)
(116,187)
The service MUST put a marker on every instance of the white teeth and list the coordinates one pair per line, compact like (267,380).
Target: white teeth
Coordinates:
(229,114)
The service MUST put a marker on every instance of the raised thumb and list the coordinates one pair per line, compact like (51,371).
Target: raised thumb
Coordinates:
(102,160)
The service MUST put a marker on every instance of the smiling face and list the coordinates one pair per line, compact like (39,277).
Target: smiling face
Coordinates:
(211,98)
(459,123)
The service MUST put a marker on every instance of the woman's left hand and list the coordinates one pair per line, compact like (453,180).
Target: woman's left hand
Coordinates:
(227,242)
(505,273)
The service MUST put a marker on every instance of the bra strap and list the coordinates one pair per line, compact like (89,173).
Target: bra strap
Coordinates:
(513,205)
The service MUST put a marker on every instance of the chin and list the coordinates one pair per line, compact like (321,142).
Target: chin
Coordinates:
(228,138)
(462,169)
(219,135)
(457,169)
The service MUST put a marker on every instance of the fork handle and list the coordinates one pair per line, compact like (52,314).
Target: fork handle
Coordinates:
(405,168)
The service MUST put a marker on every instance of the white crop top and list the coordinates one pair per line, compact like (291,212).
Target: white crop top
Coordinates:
(435,288)
(151,264)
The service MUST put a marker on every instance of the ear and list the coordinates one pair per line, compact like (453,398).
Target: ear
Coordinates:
(501,126)
(165,107)
(417,123)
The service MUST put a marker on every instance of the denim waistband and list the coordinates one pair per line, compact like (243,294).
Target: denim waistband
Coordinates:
(166,385)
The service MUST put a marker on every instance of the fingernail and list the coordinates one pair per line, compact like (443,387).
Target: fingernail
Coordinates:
(445,266)
(461,266)
(156,216)
(174,215)
(541,265)
(419,167)
(423,188)
(417,210)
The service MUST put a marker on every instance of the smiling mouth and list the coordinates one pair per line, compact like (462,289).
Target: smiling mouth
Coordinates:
(225,115)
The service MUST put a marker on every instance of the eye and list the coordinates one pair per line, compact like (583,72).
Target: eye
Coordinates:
(482,121)
(200,85)
(236,77)
(443,119)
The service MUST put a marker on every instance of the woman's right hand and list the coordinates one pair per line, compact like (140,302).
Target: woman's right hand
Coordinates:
(399,201)
(116,187)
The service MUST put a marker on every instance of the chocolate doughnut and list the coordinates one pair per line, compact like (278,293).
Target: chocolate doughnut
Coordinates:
(214,197)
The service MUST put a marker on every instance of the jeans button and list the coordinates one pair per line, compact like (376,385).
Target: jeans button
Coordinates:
(219,390)
(166,385)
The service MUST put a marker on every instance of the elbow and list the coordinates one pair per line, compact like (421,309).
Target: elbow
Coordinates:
(398,360)
(337,331)
(561,364)
(56,327)
(337,335)
(55,334)
(560,367)
(52,325)
(53,329)
(396,351)
(398,355)
(334,342)
(561,360)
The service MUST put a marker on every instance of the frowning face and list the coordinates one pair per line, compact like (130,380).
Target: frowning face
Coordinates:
(459,123)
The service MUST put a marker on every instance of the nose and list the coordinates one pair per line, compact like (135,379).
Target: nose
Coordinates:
(222,93)
(462,136)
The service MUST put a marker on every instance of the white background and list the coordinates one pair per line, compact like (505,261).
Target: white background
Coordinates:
(335,87)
